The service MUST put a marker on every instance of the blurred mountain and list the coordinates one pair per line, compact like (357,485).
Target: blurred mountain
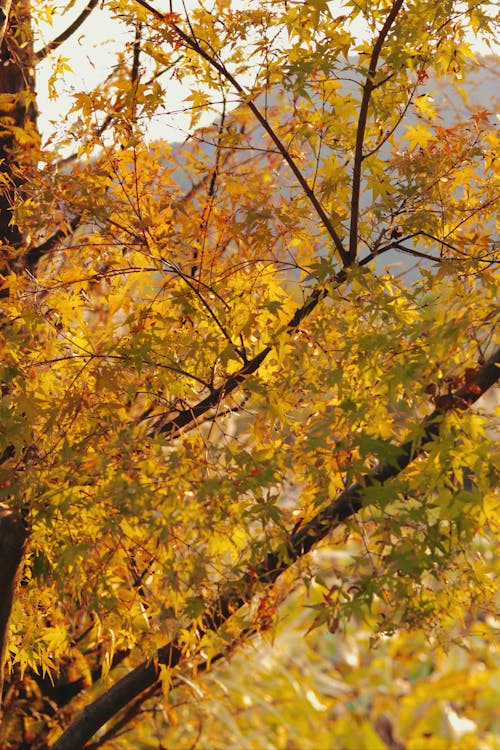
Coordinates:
(455,101)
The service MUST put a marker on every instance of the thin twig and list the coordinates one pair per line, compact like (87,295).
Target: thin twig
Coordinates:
(194,45)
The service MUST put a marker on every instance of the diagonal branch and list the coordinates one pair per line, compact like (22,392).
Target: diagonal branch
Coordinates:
(360,132)
(31,258)
(67,33)
(240,592)
(195,288)
(251,366)
(219,66)
(192,413)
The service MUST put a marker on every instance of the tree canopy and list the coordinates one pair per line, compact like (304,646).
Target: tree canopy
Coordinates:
(248,460)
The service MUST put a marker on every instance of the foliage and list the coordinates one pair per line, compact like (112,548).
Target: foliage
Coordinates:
(208,368)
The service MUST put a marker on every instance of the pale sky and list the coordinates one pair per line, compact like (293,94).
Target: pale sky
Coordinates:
(90,53)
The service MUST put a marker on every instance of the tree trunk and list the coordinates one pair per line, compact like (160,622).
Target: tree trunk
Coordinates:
(17,110)
(12,540)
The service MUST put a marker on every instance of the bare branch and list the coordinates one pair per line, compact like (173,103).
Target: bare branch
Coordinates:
(55,43)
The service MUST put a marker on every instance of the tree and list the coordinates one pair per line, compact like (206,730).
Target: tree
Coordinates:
(208,370)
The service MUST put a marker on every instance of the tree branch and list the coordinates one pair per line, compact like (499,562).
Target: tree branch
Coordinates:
(240,592)
(192,413)
(55,43)
(134,73)
(360,132)
(194,45)
(34,254)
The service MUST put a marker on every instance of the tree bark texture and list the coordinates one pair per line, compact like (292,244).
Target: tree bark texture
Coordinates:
(346,504)
(12,541)
(17,86)
(17,111)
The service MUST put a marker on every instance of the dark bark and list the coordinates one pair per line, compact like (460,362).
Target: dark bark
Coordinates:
(12,540)
(67,33)
(368,87)
(17,79)
(345,505)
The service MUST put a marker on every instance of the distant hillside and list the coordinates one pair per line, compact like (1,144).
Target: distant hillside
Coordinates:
(454,101)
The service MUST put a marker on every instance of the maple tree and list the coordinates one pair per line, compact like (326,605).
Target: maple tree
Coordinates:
(209,371)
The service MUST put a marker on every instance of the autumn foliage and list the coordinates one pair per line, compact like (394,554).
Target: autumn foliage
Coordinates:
(247,381)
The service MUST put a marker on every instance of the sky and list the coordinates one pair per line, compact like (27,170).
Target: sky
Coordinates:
(90,54)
